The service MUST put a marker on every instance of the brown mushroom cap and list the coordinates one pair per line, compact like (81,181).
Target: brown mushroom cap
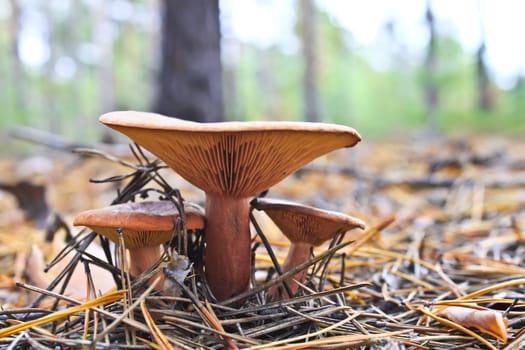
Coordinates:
(143,224)
(239,159)
(305,224)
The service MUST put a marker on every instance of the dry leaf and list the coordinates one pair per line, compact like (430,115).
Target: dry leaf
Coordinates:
(487,321)
(35,268)
(77,286)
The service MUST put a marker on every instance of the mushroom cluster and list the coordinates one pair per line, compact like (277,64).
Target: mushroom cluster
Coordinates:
(231,162)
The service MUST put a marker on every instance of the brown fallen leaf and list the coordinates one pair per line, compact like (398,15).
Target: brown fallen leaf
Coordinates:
(485,320)
(78,283)
(35,266)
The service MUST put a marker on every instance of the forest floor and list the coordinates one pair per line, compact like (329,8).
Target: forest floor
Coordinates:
(447,272)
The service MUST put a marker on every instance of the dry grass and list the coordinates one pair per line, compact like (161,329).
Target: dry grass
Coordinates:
(456,241)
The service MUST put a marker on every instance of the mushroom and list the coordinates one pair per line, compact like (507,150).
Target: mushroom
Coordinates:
(230,162)
(145,226)
(305,227)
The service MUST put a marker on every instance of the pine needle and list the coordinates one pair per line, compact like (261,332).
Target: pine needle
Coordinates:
(55,316)
(160,338)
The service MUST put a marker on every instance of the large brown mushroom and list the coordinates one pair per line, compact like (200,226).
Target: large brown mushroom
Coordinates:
(145,226)
(305,227)
(230,162)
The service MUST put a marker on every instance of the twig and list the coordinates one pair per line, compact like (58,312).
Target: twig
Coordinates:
(208,314)
(270,252)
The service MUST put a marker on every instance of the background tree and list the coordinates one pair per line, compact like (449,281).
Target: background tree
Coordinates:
(17,68)
(485,96)
(431,89)
(190,76)
(309,50)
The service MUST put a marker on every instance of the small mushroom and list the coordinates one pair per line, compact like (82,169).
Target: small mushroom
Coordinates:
(145,226)
(305,227)
(230,162)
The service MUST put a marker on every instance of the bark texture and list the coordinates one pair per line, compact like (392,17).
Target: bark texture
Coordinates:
(190,76)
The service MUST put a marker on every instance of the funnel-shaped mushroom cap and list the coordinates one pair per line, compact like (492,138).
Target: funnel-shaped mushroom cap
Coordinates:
(143,224)
(304,224)
(239,159)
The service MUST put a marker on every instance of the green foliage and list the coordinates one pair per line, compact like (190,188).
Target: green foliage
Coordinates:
(261,84)
(266,85)
(377,103)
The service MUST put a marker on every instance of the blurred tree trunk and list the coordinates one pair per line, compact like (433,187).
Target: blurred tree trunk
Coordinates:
(190,76)
(18,77)
(431,88)
(105,78)
(309,47)
(101,20)
(71,38)
(485,96)
(47,99)
(233,104)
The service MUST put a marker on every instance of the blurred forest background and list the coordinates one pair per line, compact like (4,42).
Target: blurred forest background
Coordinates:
(381,67)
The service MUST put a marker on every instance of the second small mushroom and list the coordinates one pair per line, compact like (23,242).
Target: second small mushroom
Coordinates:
(145,226)
(305,227)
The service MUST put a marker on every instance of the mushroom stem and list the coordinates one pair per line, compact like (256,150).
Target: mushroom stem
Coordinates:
(227,255)
(298,253)
(141,259)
